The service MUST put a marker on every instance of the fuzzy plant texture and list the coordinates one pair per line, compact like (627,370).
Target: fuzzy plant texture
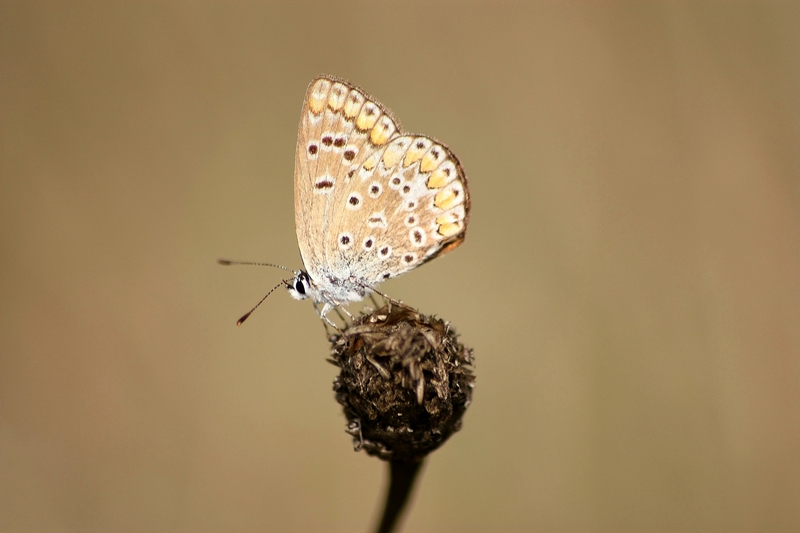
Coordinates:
(405,382)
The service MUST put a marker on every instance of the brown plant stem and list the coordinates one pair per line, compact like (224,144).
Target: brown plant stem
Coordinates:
(402,475)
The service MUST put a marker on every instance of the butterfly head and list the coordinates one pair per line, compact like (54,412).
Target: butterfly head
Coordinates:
(300,287)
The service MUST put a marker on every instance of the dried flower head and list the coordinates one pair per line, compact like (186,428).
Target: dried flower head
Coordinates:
(405,382)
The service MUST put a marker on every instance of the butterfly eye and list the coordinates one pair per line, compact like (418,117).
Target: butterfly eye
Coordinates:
(299,284)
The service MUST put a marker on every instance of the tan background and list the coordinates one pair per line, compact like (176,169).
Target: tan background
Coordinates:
(630,280)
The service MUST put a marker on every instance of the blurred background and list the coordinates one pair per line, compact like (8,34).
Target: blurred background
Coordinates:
(630,280)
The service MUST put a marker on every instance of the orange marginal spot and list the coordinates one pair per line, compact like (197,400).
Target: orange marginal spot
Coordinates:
(353,104)
(318,97)
(448,230)
(432,159)
(445,199)
(337,97)
(415,153)
(449,247)
(439,178)
(370,163)
(368,117)
(447,218)
(382,131)
(392,155)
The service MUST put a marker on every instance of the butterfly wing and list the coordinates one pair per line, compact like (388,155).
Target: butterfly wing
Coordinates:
(328,147)
(370,201)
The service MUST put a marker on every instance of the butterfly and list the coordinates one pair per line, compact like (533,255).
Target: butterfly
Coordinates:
(371,201)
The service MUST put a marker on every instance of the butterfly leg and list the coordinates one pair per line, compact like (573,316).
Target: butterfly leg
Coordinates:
(390,299)
(323,314)
(339,309)
(374,302)
(325,322)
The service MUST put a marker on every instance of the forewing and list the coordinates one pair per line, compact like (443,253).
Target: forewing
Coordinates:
(336,122)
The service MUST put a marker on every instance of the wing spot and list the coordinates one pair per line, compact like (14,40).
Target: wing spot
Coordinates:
(312,149)
(406,189)
(376,220)
(385,251)
(339,142)
(441,176)
(448,197)
(431,160)
(369,164)
(417,237)
(352,105)
(375,189)
(327,140)
(368,116)
(409,258)
(449,229)
(354,201)
(349,155)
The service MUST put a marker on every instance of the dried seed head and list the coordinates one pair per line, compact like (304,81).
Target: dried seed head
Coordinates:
(405,382)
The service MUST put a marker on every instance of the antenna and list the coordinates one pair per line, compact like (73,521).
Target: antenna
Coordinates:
(227,262)
(250,312)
